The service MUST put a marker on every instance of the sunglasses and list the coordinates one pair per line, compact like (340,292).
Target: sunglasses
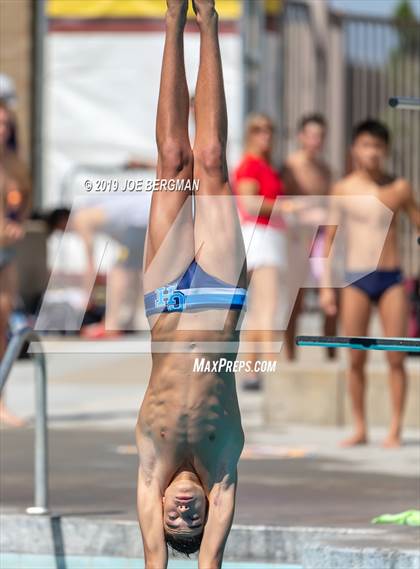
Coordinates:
(257,129)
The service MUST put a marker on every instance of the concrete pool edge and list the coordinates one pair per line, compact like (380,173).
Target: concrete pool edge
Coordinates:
(76,535)
(389,550)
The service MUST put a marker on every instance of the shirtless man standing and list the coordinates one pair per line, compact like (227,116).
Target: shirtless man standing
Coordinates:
(307,174)
(189,434)
(383,286)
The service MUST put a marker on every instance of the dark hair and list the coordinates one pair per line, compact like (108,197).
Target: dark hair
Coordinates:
(12,139)
(316,118)
(182,543)
(56,217)
(374,128)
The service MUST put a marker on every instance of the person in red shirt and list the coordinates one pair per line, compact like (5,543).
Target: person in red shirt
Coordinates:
(258,185)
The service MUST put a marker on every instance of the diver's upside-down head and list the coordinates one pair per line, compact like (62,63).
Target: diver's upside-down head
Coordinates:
(185,508)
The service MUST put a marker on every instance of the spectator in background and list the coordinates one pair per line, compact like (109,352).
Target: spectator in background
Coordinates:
(14,208)
(307,174)
(9,98)
(124,218)
(372,282)
(258,185)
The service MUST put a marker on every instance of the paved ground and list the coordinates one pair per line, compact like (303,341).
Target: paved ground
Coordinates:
(90,476)
(294,476)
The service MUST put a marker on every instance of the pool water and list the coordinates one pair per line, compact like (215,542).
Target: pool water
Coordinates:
(29,561)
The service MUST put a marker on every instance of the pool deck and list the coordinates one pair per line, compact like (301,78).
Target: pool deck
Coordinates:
(294,476)
(93,472)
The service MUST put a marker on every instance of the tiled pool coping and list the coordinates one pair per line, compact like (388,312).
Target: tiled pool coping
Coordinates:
(94,537)
(34,561)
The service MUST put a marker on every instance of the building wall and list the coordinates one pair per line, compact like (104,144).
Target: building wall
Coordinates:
(16,61)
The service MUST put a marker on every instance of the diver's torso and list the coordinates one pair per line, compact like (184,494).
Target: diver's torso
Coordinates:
(190,411)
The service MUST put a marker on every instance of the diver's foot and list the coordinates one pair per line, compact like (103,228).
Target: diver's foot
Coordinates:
(204,10)
(357,439)
(177,8)
(9,419)
(392,441)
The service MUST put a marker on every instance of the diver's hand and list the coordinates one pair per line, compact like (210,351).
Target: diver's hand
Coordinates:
(10,233)
(328,301)
(156,561)
(209,564)
(153,565)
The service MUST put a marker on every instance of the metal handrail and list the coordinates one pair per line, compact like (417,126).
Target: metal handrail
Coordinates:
(41,434)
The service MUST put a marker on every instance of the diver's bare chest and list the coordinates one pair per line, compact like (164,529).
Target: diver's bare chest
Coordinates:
(189,427)
(188,418)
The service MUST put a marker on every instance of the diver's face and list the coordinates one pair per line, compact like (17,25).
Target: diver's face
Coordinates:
(184,508)
(369,152)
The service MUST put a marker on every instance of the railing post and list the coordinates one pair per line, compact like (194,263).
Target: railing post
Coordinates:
(41,438)
(41,430)
(252,22)
(337,96)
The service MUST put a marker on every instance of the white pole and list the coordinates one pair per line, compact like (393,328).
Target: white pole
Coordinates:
(38,103)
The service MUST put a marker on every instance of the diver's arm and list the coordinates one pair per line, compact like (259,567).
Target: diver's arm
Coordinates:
(149,506)
(149,509)
(219,521)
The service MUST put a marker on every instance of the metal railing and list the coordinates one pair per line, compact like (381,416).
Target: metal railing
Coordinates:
(41,434)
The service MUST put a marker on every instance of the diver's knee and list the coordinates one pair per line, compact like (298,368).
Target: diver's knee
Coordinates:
(174,157)
(211,158)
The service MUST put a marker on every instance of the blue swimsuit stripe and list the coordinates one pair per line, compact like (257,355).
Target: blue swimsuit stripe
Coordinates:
(234,300)
(194,290)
